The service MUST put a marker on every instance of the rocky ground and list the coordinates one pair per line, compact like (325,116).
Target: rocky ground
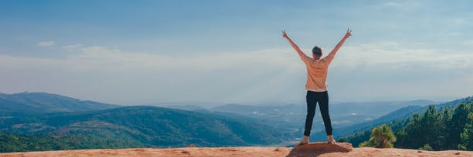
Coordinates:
(240,152)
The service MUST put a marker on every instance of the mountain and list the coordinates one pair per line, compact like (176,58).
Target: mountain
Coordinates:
(286,118)
(185,107)
(290,118)
(343,114)
(35,103)
(244,109)
(396,115)
(345,108)
(192,104)
(363,130)
(374,109)
(148,126)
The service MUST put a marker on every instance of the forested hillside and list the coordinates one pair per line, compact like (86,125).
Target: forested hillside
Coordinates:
(40,142)
(451,127)
(137,126)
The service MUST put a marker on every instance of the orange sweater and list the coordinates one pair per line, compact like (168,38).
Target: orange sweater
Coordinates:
(317,72)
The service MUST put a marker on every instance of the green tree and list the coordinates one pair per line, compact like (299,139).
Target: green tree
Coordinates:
(428,128)
(467,135)
(427,147)
(457,124)
(381,137)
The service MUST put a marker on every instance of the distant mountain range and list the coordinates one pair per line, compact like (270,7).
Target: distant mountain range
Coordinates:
(58,118)
(152,126)
(290,118)
(36,103)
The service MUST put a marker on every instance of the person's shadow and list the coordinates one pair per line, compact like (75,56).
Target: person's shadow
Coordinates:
(309,153)
(319,148)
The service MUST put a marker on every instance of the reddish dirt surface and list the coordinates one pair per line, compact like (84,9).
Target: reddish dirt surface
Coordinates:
(241,152)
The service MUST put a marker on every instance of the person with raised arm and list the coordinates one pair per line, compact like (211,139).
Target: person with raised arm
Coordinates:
(316,86)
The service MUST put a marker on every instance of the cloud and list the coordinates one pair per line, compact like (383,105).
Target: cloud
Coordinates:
(398,54)
(72,47)
(224,60)
(399,71)
(46,44)
(468,42)
(403,4)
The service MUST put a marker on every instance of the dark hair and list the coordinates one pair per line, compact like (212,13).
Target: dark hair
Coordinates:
(317,50)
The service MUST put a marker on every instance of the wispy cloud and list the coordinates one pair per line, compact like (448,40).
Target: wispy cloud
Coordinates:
(46,43)
(402,55)
(72,47)
(402,4)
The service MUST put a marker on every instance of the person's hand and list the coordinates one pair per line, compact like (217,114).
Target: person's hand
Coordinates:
(284,35)
(348,34)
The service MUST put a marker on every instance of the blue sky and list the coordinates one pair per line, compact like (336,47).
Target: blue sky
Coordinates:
(136,52)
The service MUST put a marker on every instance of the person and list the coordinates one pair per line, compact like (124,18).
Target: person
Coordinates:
(317,68)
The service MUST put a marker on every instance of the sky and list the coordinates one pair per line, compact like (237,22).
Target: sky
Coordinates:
(226,51)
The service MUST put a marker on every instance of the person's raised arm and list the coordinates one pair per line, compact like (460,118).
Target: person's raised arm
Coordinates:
(334,51)
(298,50)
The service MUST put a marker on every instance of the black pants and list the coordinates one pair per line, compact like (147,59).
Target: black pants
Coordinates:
(312,99)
